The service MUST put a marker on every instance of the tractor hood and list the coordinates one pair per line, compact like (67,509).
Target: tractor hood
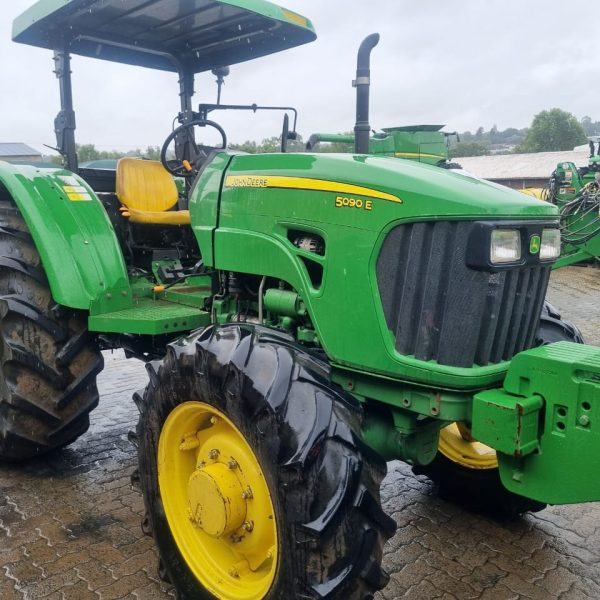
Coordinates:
(169,35)
(399,188)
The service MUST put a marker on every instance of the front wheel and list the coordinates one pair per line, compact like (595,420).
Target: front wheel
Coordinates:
(466,471)
(255,480)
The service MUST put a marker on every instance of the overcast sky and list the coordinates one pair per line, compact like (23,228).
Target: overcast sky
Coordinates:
(464,63)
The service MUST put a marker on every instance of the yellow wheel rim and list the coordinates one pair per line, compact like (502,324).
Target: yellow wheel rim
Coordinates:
(217,503)
(456,445)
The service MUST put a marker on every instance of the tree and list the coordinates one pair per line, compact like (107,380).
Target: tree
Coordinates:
(494,134)
(272,144)
(590,127)
(469,149)
(152,153)
(552,130)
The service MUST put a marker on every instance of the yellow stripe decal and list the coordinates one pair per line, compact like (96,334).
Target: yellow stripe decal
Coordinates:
(418,154)
(305,183)
(295,17)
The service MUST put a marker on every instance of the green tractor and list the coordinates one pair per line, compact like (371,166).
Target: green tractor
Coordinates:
(425,143)
(304,318)
(576,193)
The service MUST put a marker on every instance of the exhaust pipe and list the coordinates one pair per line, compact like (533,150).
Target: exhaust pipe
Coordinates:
(362,129)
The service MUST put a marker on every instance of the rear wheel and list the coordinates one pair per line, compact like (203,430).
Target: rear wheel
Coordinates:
(254,477)
(465,470)
(48,360)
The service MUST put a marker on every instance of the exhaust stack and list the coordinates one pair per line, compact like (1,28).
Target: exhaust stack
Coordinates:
(362,128)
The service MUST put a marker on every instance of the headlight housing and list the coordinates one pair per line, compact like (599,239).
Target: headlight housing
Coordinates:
(550,246)
(505,246)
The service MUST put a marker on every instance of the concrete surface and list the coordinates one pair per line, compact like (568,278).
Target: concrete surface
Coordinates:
(69,525)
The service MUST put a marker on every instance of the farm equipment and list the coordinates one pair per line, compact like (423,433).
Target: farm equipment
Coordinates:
(576,193)
(304,318)
(464,469)
(423,143)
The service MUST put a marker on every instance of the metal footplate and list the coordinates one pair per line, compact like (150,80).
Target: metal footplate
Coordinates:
(545,423)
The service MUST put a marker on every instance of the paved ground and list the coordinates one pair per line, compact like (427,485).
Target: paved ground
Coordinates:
(69,525)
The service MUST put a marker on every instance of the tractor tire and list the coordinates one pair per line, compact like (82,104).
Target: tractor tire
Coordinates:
(471,477)
(316,484)
(48,359)
(553,328)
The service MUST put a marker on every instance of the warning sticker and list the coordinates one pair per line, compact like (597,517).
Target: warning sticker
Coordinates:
(69,180)
(78,197)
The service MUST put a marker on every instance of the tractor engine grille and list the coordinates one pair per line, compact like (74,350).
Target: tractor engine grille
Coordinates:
(440,309)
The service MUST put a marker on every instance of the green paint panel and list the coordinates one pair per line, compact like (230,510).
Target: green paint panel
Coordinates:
(76,240)
(255,230)
(565,469)
(150,317)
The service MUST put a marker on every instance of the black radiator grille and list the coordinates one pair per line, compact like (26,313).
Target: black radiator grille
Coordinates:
(440,309)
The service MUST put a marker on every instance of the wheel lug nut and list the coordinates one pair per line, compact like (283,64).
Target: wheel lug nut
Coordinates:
(247,494)
(213,454)
(248,526)
(232,464)
(214,420)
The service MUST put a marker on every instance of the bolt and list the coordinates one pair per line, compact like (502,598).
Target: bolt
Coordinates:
(201,465)
(248,526)
(213,454)
(247,494)
(232,464)
(584,420)
(233,572)
(214,420)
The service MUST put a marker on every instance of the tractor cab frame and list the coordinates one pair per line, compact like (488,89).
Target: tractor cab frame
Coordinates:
(185,37)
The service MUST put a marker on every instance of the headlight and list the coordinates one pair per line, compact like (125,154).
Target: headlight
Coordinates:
(550,247)
(505,246)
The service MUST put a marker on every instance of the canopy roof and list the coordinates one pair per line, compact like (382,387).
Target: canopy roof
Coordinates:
(164,34)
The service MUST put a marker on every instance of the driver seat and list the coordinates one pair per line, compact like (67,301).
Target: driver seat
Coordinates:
(148,192)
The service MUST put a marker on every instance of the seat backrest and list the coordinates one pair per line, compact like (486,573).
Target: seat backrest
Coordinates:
(145,185)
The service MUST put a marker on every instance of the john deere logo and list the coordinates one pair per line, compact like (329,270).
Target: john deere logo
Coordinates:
(534,244)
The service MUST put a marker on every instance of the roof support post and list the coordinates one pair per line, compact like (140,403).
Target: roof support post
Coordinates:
(185,143)
(64,124)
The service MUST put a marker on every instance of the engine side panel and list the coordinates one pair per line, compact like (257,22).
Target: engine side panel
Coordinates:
(351,202)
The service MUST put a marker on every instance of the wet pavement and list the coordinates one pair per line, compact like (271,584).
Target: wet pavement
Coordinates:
(70,524)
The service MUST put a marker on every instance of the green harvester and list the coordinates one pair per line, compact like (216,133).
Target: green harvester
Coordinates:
(425,143)
(304,318)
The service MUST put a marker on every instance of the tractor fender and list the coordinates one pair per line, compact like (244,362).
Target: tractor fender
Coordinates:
(73,235)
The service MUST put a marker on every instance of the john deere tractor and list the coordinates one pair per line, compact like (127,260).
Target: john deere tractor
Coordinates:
(576,192)
(304,318)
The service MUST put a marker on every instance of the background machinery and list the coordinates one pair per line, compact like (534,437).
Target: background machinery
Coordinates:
(304,318)
(576,193)
(424,143)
